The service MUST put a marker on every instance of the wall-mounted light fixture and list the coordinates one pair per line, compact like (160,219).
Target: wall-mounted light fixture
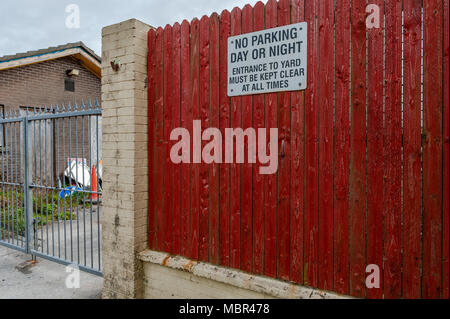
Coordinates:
(73,72)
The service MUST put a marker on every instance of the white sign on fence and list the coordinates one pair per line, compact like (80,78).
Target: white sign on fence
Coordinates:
(272,60)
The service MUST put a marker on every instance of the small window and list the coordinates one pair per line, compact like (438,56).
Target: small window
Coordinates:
(69,85)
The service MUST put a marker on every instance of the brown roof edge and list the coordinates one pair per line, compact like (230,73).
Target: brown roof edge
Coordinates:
(50,50)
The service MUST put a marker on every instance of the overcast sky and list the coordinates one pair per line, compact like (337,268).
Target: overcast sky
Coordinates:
(31,25)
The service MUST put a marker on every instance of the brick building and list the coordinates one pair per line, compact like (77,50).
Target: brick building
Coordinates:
(36,80)
(41,77)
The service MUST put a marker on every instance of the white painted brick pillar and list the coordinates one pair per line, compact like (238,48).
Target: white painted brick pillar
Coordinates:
(125,182)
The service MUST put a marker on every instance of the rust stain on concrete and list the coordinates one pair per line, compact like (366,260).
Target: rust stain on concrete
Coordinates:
(189,266)
(164,262)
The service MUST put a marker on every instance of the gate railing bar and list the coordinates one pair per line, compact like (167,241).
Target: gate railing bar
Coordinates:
(63,124)
(40,178)
(98,202)
(19,175)
(35,213)
(84,212)
(17,201)
(60,189)
(15,225)
(52,143)
(28,203)
(47,116)
(8,158)
(12,246)
(5,207)
(11,184)
(70,170)
(45,177)
(76,176)
(90,209)
(8,189)
(56,148)
(3,188)
(11,120)
(67,262)
(35,208)
(3,217)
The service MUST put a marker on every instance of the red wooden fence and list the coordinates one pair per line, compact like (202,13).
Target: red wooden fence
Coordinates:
(364,175)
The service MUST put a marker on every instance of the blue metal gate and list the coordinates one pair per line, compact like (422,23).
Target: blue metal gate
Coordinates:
(50,183)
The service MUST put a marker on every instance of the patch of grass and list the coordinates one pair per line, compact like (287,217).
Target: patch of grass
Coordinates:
(47,207)
(14,220)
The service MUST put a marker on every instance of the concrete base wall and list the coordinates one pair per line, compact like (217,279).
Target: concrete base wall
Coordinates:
(167,283)
(167,277)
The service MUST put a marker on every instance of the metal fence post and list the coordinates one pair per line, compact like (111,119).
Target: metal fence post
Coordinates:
(28,203)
